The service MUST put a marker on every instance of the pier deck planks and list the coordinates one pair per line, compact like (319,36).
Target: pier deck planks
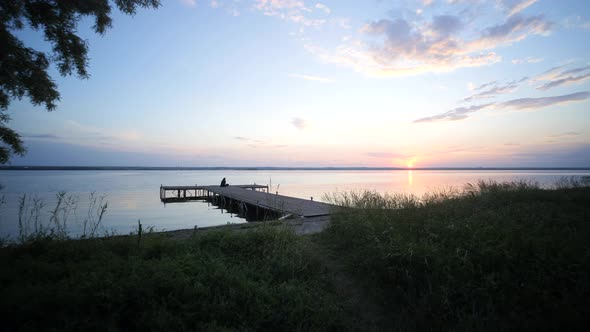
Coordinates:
(265,200)
(286,204)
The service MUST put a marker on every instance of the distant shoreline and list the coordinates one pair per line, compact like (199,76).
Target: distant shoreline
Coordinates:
(145,168)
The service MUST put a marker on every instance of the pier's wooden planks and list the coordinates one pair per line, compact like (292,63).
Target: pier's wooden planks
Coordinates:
(249,194)
(280,203)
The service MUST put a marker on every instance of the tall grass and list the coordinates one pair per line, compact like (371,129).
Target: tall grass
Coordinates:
(33,223)
(266,280)
(96,211)
(487,256)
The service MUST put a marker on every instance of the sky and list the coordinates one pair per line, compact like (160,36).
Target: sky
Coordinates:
(299,83)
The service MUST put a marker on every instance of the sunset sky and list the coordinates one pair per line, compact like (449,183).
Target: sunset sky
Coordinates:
(429,83)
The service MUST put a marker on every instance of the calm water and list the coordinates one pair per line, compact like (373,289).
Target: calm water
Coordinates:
(134,195)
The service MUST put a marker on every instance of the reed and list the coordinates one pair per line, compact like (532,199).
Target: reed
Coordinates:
(33,223)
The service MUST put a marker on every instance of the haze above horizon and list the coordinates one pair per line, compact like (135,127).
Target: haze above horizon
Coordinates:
(298,83)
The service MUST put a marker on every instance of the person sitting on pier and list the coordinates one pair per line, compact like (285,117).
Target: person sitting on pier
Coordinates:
(223,183)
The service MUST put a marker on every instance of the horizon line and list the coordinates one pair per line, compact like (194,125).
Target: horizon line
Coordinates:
(286,168)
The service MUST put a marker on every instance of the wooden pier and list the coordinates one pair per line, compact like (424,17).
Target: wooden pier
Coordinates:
(248,197)
(187,193)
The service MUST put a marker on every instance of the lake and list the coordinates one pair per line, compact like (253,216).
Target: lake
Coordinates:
(134,195)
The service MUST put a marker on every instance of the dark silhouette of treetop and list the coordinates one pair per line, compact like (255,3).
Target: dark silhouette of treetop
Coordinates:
(23,70)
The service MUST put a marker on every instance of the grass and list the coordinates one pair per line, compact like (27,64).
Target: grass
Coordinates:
(259,280)
(489,256)
(492,256)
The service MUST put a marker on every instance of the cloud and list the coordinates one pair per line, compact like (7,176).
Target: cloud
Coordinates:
(100,136)
(291,10)
(568,134)
(404,41)
(555,155)
(58,153)
(493,89)
(344,23)
(446,25)
(574,71)
(271,5)
(490,93)
(559,72)
(516,28)
(560,75)
(248,139)
(189,3)
(399,46)
(564,81)
(541,102)
(484,85)
(299,123)
(301,19)
(460,149)
(323,7)
(550,74)
(408,49)
(411,44)
(81,130)
(41,136)
(516,6)
(311,78)
(386,155)
(458,113)
(231,8)
(373,64)
(521,104)
(576,22)
(526,60)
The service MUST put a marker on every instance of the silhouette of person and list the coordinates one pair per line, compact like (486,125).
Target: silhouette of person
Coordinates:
(223,184)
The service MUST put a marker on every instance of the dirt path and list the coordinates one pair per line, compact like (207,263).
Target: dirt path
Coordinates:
(371,316)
